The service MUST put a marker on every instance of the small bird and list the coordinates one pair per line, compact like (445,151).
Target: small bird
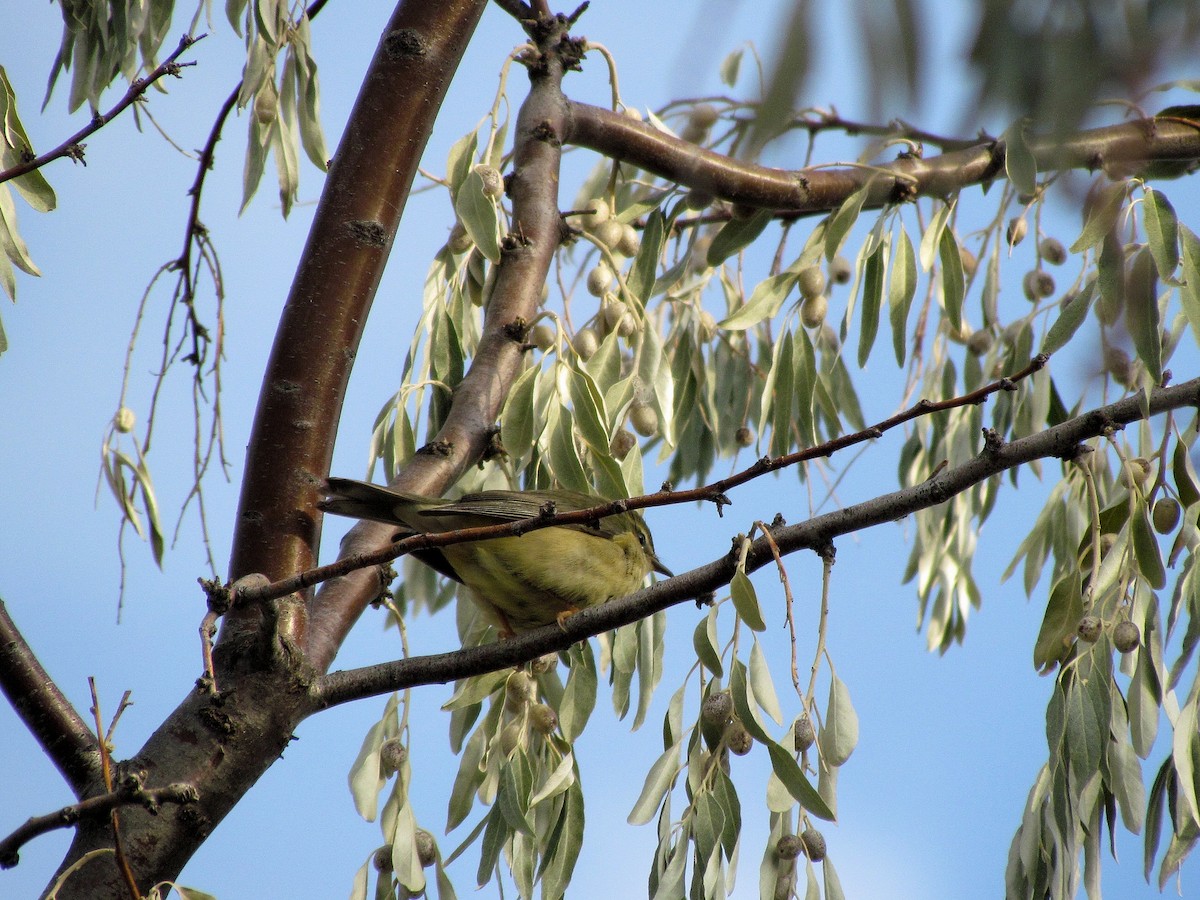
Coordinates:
(524,581)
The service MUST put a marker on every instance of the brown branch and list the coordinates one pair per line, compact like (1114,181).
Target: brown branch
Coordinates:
(73,146)
(1120,149)
(127,794)
(714,492)
(46,712)
(526,254)
(1061,441)
(300,401)
(817,121)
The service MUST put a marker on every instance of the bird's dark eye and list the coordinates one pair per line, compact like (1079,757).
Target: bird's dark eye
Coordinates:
(641,538)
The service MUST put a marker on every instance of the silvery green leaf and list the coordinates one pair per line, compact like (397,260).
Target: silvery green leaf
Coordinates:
(765,301)
(1162,232)
(735,235)
(745,601)
(1103,209)
(761,684)
(477,211)
(902,286)
(788,771)
(658,782)
(839,732)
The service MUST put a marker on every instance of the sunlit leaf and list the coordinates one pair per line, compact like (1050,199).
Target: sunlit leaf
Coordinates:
(902,285)
(745,601)
(735,235)
(1162,232)
(1142,315)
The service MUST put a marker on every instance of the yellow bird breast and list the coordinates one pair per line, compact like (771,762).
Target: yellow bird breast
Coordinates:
(534,578)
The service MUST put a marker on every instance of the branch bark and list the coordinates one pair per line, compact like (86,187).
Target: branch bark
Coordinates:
(527,252)
(304,385)
(1061,441)
(1122,149)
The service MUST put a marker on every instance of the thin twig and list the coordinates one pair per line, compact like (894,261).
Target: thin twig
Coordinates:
(106,771)
(1059,441)
(127,794)
(73,146)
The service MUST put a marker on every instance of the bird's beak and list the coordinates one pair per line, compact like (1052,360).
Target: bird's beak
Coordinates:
(657,565)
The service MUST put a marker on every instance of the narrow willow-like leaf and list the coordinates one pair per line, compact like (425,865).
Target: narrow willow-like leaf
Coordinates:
(833,884)
(365,779)
(1103,208)
(765,301)
(735,235)
(517,419)
(1088,710)
(762,685)
(1155,808)
(804,386)
(640,280)
(931,239)
(579,696)
(658,783)
(495,835)
(477,211)
(902,286)
(562,851)
(872,299)
(953,281)
(1064,608)
(1141,313)
(788,771)
(1127,785)
(843,220)
(745,601)
(1183,750)
(1072,312)
(782,418)
(1019,163)
(1184,475)
(730,66)
(743,702)
(1145,548)
(459,160)
(590,416)
(704,640)
(1162,232)
(475,689)
(1189,293)
(839,734)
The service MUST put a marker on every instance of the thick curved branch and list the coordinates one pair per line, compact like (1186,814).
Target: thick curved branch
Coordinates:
(526,255)
(1062,441)
(73,146)
(303,388)
(1124,148)
(48,715)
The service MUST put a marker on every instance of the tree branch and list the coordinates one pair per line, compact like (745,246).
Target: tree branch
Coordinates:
(1121,148)
(73,146)
(304,384)
(526,254)
(1061,441)
(49,716)
(127,794)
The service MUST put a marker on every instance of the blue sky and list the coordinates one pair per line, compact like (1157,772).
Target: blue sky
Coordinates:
(949,745)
